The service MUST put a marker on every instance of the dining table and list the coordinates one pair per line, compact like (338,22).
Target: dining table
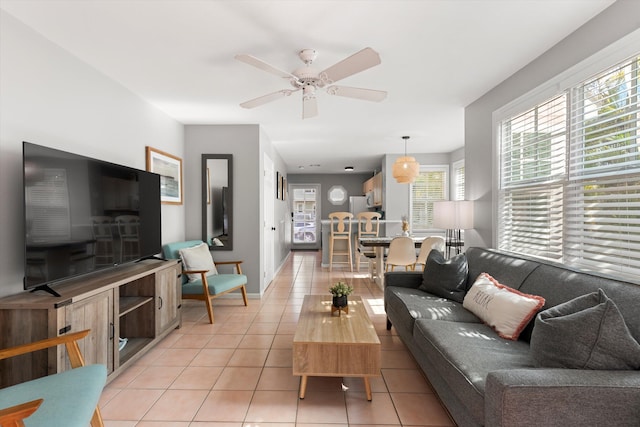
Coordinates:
(379,244)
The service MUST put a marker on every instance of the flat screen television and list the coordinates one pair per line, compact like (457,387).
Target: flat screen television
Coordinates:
(82,215)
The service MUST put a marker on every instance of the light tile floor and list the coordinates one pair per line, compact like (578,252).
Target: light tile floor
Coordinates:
(237,372)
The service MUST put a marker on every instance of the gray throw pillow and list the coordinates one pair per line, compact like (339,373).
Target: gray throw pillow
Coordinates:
(587,332)
(445,278)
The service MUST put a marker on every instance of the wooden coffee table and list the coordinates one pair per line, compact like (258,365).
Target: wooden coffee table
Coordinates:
(327,345)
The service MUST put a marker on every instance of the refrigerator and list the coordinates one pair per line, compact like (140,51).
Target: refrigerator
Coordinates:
(358,204)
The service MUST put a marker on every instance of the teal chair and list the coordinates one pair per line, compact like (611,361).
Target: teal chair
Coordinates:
(69,398)
(209,286)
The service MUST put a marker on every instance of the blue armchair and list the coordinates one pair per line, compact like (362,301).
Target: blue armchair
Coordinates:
(69,398)
(202,282)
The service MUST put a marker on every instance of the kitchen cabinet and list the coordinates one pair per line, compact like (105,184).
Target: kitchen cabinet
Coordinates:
(367,187)
(377,189)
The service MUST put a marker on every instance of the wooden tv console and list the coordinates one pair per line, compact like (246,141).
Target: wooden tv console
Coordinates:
(140,302)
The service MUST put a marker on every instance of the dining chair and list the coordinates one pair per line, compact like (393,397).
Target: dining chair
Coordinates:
(340,231)
(368,226)
(429,243)
(402,252)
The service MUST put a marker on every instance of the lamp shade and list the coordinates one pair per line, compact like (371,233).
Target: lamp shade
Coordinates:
(453,214)
(464,214)
(443,214)
(405,169)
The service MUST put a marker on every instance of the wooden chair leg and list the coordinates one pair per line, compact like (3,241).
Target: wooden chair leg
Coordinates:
(207,302)
(96,420)
(330,253)
(244,295)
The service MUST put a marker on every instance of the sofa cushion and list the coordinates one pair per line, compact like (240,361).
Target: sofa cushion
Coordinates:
(464,353)
(506,310)
(445,278)
(510,269)
(409,304)
(218,284)
(198,258)
(587,332)
(558,284)
(70,397)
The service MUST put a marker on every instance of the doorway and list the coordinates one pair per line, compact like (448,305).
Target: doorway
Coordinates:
(305,216)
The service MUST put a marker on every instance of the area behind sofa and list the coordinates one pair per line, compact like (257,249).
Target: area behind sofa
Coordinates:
(487,380)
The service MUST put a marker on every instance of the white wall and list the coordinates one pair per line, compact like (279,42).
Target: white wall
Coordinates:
(51,98)
(620,19)
(247,144)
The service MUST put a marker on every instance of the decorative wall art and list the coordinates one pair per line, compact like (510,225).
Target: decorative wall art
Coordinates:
(169,167)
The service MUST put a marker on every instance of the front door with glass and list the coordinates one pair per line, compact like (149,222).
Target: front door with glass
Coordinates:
(305,209)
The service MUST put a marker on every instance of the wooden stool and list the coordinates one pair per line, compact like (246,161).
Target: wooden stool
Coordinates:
(340,231)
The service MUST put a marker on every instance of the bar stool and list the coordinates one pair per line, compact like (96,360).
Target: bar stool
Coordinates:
(402,251)
(368,226)
(340,231)
(429,243)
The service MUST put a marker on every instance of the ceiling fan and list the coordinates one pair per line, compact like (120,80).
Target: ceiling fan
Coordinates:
(308,80)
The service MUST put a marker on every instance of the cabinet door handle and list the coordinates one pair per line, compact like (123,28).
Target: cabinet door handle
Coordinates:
(112,332)
(161,303)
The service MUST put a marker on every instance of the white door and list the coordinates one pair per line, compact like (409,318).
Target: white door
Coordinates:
(269,229)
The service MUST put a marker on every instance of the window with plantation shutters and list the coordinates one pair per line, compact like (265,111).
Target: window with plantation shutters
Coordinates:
(569,186)
(429,186)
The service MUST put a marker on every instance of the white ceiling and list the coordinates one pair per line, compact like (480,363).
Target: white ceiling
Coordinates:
(437,57)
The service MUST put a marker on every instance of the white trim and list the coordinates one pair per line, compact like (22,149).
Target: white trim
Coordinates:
(596,63)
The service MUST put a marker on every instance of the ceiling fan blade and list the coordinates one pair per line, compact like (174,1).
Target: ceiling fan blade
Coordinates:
(357,62)
(309,107)
(259,63)
(356,92)
(267,98)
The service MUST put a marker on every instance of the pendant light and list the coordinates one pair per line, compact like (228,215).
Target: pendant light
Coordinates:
(406,168)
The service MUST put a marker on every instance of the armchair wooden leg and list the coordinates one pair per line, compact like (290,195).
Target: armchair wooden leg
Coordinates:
(244,295)
(96,420)
(207,302)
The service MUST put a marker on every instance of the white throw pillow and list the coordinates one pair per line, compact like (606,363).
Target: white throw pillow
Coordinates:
(198,258)
(505,309)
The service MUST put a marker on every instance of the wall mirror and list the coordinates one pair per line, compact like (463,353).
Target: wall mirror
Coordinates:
(217,201)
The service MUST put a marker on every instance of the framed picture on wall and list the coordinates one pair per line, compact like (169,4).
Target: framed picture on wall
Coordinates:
(169,167)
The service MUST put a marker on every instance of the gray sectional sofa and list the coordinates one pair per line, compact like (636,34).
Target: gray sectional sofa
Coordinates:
(483,379)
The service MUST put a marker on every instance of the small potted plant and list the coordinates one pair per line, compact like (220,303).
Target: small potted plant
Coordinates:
(340,291)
